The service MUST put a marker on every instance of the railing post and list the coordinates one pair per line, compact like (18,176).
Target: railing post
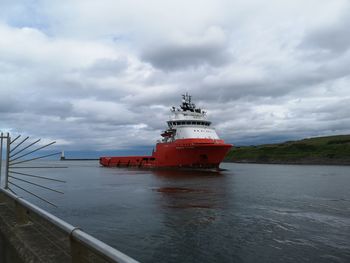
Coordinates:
(2,199)
(21,214)
(77,251)
(7,160)
(1,141)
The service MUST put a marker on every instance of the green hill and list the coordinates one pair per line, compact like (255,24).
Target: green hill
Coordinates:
(320,150)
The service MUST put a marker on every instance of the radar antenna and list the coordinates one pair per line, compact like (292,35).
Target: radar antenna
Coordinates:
(187,104)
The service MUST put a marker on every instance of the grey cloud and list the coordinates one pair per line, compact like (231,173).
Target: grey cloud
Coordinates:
(334,38)
(106,95)
(107,67)
(172,57)
(185,51)
(8,104)
(78,84)
(274,82)
(50,107)
(333,111)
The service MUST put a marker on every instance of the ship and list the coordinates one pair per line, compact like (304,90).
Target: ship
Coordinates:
(189,142)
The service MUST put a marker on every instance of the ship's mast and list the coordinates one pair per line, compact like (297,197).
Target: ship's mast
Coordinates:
(187,104)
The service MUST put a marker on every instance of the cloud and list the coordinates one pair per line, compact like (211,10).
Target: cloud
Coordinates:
(333,38)
(184,51)
(8,104)
(103,75)
(107,67)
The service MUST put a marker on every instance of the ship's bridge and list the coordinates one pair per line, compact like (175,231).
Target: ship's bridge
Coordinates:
(174,124)
(184,115)
(188,122)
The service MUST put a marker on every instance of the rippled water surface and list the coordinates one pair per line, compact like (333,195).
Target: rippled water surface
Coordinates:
(248,213)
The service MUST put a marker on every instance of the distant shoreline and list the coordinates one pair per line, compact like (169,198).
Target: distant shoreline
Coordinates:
(330,150)
(325,162)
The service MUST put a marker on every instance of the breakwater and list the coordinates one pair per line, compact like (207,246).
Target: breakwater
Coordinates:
(79,159)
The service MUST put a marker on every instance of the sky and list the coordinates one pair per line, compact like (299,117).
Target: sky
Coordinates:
(103,75)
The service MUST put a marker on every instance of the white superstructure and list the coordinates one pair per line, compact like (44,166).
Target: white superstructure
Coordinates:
(188,122)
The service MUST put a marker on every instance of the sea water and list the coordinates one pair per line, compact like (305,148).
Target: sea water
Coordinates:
(246,213)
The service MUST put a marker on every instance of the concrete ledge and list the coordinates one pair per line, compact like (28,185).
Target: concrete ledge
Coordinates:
(38,236)
(30,242)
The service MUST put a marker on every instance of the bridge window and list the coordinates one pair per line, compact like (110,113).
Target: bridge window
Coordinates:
(201,123)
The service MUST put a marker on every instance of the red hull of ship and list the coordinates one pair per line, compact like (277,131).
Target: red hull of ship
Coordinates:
(182,153)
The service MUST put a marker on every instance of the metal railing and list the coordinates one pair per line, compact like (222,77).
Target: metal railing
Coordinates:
(81,246)
(18,154)
(79,240)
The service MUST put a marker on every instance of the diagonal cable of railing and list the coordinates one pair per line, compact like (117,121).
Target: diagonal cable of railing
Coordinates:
(14,158)
(38,167)
(37,196)
(15,139)
(19,144)
(13,155)
(36,176)
(36,158)
(9,188)
(38,185)
(37,149)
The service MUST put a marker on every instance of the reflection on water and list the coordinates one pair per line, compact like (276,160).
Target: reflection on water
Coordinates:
(176,190)
(174,187)
(179,197)
(248,213)
(172,173)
